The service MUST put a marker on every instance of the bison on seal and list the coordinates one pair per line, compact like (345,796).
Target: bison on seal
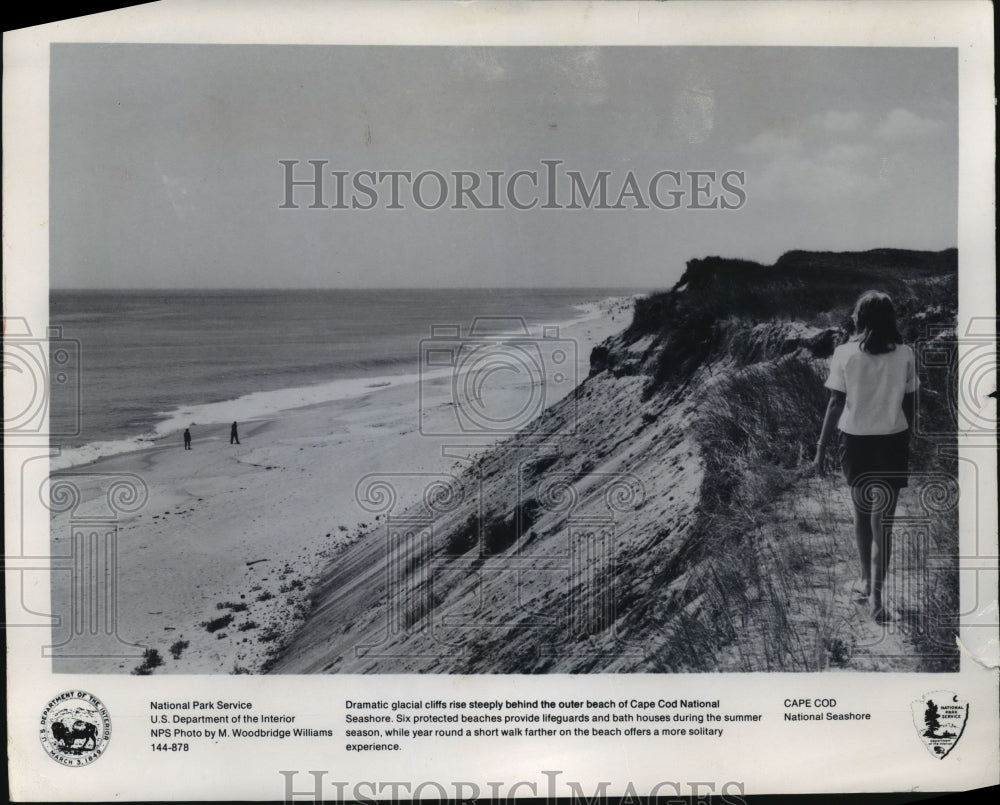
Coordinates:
(82,737)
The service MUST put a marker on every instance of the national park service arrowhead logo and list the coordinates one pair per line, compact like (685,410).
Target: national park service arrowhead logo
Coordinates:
(75,728)
(940,720)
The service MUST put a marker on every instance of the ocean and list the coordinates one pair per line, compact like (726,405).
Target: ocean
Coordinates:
(152,362)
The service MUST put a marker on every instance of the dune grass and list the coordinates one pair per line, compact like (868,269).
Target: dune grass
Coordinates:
(769,556)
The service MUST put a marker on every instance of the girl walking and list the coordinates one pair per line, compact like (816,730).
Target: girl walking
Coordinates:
(872,380)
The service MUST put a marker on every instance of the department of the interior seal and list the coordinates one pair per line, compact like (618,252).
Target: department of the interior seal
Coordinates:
(75,728)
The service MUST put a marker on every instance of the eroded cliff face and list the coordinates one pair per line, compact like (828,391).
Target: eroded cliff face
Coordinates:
(650,521)
(528,558)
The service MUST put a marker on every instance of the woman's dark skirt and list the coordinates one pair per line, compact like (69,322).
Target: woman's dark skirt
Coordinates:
(884,460)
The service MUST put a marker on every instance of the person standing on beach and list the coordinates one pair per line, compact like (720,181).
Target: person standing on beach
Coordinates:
(234,435)
(872,380)
(187,439)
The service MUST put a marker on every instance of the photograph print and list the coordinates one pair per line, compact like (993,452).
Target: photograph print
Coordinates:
(502,360)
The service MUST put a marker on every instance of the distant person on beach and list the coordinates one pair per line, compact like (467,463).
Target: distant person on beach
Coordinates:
(187,439)
(234,435)
(872,380)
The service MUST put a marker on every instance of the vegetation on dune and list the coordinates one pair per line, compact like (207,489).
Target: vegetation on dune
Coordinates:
(217,623)
(715,394)
(759,416)
(151,659)
(710,306)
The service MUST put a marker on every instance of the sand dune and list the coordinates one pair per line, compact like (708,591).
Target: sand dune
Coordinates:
(658,519)
(232,537)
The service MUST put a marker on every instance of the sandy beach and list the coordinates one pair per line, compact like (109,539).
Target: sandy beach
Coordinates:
(214,570)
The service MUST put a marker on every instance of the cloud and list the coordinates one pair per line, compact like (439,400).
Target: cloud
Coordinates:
(850,153)
(694,114)
(693,107)
(482,61)
(584,71)
(771,143)
(832,155)
(797,178)
(837,122)
(176,192)
(816,129)
(839,172)
(902,125)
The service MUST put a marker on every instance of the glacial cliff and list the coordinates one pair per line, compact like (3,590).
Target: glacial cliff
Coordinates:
(657,519)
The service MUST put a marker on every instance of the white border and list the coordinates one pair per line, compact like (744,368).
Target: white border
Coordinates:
(884,756)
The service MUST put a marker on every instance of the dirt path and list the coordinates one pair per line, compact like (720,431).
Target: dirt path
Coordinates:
(810,539)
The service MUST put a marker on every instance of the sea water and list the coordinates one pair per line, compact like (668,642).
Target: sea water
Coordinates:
(153,362)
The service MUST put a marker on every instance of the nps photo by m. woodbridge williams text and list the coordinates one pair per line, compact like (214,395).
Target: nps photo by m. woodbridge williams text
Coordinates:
(486,400)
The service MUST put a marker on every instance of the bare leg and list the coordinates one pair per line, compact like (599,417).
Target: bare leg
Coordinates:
(863,537)
(881,526)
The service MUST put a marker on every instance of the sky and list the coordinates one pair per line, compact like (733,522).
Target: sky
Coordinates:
(165,160)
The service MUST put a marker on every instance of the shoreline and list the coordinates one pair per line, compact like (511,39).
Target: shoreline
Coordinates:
(237,534)
(270,403)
